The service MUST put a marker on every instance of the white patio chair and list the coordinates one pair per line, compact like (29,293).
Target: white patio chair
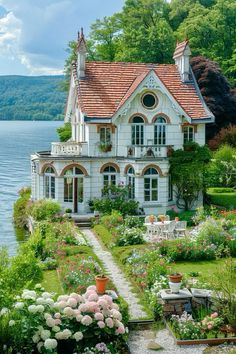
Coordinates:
(180,229)
(168,231)
(167,217)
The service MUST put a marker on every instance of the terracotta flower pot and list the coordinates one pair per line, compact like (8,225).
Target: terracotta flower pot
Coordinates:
(175,277)
(101,283)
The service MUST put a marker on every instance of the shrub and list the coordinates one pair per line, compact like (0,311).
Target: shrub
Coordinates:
(20,215)
(81,323)
(211,232)
(186,249)
(44,209)
(64,132)
(224,199)
(112,220)
(134,221)
(132,236)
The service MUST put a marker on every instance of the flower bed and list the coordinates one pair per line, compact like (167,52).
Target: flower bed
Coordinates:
(38,323)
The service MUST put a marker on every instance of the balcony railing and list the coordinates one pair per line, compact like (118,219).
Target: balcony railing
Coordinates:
(69,148)
(147,151)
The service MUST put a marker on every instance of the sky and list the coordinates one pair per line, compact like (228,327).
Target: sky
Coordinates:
(34,33)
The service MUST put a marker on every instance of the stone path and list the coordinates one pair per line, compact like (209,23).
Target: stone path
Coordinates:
(139,340)
(116,275)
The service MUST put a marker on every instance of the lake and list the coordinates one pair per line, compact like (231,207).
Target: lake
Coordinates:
(18,139)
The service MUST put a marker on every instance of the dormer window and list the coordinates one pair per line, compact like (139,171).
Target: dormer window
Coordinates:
(149,100)
(137,130)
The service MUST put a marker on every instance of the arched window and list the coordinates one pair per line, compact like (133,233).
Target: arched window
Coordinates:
(131,183)
(160,131)
(109,176)
(137,136)
(151,185)
(49,183)
(73,185)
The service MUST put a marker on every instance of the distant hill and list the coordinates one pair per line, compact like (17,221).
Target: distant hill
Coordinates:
(31,98)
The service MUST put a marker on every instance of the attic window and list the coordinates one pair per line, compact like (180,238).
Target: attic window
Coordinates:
(149,100)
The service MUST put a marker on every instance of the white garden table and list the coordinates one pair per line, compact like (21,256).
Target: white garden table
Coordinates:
(156,228)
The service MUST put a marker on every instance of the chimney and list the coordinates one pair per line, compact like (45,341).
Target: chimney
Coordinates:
(181,58)
(82,51)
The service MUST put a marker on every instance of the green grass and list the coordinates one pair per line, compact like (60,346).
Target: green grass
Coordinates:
(51,282)
(227,199)
(104,235)
(205,268)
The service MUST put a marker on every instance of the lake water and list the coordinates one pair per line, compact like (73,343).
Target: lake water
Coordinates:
(18,139)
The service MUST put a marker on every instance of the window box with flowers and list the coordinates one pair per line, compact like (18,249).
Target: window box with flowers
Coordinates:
(105,146)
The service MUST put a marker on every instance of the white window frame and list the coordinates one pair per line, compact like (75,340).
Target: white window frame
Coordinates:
(149,178)
(188,134)
(131,183)
(49,183)
(109,177)
(71,186)
(107,135)
(137,132)
(160,131)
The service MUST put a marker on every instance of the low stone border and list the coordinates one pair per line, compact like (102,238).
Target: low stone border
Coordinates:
(209,341)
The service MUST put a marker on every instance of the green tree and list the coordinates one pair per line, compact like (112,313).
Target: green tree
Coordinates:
(64,132)
(147,35)
(189,178)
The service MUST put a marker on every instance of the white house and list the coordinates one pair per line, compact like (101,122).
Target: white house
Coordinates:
(125,117)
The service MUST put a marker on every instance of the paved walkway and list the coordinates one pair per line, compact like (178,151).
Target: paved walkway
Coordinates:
(116,275)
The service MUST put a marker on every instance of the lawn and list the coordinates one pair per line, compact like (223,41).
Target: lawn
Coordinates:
(227,200)
(51,282)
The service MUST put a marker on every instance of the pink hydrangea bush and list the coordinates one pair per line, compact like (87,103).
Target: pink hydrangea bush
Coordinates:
(71,323)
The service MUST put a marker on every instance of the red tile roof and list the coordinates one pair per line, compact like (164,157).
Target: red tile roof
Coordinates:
(107,86)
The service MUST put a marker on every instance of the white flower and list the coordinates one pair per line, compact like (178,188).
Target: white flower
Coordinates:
(47,315)
(39,346)
(32,308)
(64,334)
(29,294)
(50,322)
(45,334)
(40,308)
(50,343)
(11,323)
(78,336)
(3,311)
(38,286)
(36,338)
(72,302)
(46,295)
(68,311)
(55,328)
(19,305)
(86,320)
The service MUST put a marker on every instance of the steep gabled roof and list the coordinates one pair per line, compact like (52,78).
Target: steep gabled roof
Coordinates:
(107,85)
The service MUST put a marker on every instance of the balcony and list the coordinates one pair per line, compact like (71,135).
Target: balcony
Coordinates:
(147,151)
(69,148)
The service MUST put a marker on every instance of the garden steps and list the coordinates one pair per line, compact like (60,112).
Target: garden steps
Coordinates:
(122,284)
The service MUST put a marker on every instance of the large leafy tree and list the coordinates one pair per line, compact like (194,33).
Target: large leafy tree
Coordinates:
(217,93)
(187,171)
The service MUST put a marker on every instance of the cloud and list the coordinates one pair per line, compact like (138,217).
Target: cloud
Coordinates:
(37,32)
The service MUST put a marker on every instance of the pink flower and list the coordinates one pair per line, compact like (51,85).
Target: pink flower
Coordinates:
(209,326)
(103,303)
(214,315)
(93,297)
(120,329)
(99,316)
(101,324)
(72,302)
(109,322)
(107,298)
(83,307)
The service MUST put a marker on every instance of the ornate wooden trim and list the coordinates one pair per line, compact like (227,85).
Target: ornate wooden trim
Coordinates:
(161,115)
(153,166)
(74,165)
(110,164)
(45,166)
(138,115)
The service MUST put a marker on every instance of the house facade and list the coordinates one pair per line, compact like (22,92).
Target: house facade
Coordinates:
(125,117)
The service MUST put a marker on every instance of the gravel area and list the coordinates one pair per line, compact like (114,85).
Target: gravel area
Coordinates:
(116,275)
(139,340)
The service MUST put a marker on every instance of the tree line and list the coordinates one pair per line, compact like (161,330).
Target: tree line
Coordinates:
(31,98)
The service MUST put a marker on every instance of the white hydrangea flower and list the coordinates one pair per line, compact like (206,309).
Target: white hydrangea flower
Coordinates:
(11,323)
(45,334)
(19,305)
(50,343)
(78,336)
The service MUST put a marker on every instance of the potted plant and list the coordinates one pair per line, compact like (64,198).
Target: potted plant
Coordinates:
(105,146)
(101,283)
(175,281)
(152,219)
(68,212)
